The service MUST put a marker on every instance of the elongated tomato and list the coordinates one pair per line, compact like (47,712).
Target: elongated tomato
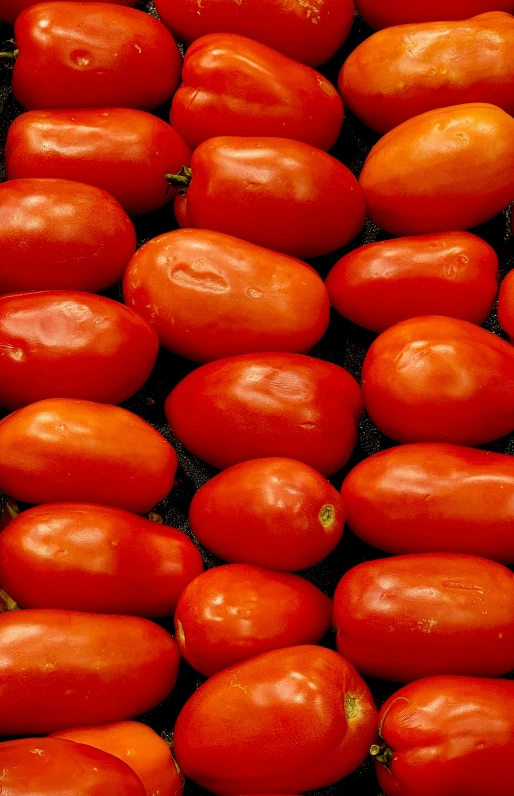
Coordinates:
(10,9)
(506,305)
(384,13)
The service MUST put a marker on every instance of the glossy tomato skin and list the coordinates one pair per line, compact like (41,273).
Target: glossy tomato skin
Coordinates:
(210,295)
(126,152)
(288,720)
(232,85)
(448,735)
(446,169)
(67,450)
(435,379)
(506,305)
(124,664)
(233,612)
(257,405)
(10,9)
(380,14)
(302,201)
(72,345)
(412,616)
(450,273)
(84,557)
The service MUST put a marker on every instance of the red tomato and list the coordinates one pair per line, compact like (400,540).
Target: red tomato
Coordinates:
(288,720)
(231,613)
(94,558)
(384,13)
(125,151)
(506,305)
(64,668)
(89,55)
(232,85)
(10,9)
(451,273)
(209,295)
(59,234)
(278,513)
(140,747)
(407,617)
(67,450)
(180,210)
(256,405)
(443,170)
(447,736)
(435,379)
(302,201)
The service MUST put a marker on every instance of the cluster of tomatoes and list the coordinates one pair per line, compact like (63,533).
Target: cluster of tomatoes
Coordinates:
(90,577)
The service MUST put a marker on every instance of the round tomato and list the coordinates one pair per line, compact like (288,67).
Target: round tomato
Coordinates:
(290,720)
(436,379)
(257,405)
(63,669)
(443,170)
(124,151)
(10,9)
(506,305)
(94,558)
(67,450)
(384,13)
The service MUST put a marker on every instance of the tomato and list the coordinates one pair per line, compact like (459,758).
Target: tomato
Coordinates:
(256,405)
(89,55)
(63,449)
(10,9)
(450,273)
(94,558)
(384,13)
(447,735)
(290,720)
(236,611)
(278,513)
(62,669)
(506,305)
(435,379)
(433,497)
(232,85)
(209,295)
(407,617)
(302,201)
(138,746)
(59,234)
(180,210)
(124,151)
(443,170)
(47,766)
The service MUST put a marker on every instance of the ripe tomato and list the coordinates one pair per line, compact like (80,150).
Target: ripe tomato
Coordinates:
(90,55)
(125,151)
(256,405)
(451,273)
(384,13)
(72,345)
(289,720)
(443,170)
(506,305)
(10,9)
(301,201)
(278,513)
(80,451)
(232,85)
(94,558)
(59,234)
(62,669)
(433,497)
(435,379)
(138,746)
(447,735)
(407,617)
(209,295)
(236,611)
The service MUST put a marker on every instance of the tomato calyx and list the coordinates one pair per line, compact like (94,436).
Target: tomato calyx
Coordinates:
(10,55)
(382,754)
(182,180)
(7,603)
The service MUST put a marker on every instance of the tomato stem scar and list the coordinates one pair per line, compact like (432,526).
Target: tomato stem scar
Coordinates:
(350,707)
(181,180)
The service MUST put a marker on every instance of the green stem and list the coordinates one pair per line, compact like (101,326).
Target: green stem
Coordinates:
(6,603)
(182,180)
(382,754)
(11,55)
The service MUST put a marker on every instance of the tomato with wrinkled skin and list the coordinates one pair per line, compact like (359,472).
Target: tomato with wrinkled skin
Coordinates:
(385,13)
(63,669)
(412,616)
(84,557)
(282,194)
(10,9)
(506,305)
(446,169)
(126,152)
(276,513)
(450,273)
(232,85)
(66,450)
(257,405)
(435,379)
(210,295)
(289,720)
